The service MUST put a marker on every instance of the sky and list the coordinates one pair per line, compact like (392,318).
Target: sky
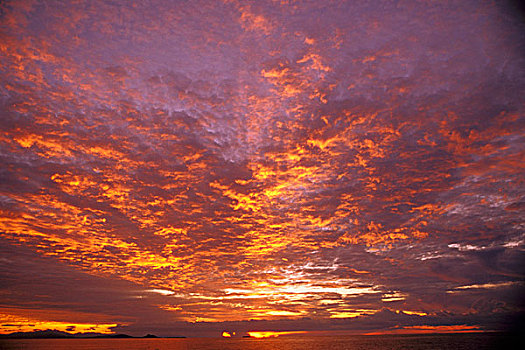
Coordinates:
(199,167)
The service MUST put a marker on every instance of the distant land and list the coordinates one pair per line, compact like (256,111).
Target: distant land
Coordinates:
(54,334)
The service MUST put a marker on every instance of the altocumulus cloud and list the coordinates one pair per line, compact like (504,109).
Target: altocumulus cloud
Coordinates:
(185,168)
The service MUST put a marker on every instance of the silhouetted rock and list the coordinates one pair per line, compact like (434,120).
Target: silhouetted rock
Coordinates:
(113,336)
(54,334)
(150,336)
(38,335)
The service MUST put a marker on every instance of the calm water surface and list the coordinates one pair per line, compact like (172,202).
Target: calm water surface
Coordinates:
(424,342)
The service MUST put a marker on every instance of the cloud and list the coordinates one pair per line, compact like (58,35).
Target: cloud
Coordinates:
(340,166)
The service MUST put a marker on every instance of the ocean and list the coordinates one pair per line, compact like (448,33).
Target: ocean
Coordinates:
(478,341)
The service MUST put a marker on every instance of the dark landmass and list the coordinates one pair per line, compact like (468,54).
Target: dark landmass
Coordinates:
(54,334)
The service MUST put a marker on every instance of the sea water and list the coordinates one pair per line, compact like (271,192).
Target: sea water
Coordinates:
(382,342)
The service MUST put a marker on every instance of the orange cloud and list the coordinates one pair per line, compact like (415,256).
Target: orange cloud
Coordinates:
(430,329)
(272,334)
(18,323)
(265,160)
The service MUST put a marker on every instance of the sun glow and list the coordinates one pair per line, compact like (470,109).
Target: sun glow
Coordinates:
(14,323)
(271,334)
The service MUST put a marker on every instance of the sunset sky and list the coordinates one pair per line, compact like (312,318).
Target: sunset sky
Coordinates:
(199,167)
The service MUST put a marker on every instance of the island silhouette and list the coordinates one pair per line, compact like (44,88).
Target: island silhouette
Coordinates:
(55,334)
